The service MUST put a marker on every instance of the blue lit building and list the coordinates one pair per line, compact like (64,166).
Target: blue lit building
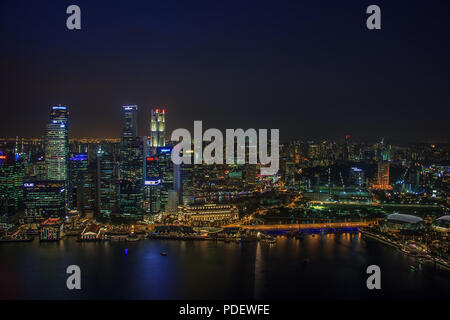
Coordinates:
(78,167)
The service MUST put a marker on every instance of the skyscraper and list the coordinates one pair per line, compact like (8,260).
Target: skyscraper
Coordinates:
(78,167)
(158,128)
(131,166)
(383,176)
(129,123)
(57,144)
(153,186)
(12,175)
(383,173)
(106,183)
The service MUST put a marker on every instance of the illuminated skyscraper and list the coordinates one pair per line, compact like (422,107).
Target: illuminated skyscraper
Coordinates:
(383,176)
(131,166)
(158,128)
(107,183)
(12,175)
(57,144)
(129,123)
(152,185)
(44,199)
(78,167)
(383,173)
(356,176)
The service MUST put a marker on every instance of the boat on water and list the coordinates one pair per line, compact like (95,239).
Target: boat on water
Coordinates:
(269,241)
(163,253)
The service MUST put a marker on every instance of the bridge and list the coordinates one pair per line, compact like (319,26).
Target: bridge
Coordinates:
(305,226)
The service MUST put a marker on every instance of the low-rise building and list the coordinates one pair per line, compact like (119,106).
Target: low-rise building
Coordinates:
(51,229)
(210,214)
(91,232)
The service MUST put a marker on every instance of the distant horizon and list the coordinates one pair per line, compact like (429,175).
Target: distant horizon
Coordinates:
(303,140)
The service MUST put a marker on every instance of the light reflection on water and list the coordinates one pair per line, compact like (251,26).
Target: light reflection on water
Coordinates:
(323,266)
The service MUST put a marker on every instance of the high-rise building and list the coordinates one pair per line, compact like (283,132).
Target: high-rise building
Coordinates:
(383,176)
(172,206)
(356,177)
(87,200)
(131,166)
(78,167)
(129,123)
(152,185)
(167,176)
(383,173)
(12,175)
(187,184)
(107,184)
(158,128)
(44,199)
(57,144)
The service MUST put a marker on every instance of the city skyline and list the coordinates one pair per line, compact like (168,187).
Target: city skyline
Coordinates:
(144,121)
(240,65)
(235,158)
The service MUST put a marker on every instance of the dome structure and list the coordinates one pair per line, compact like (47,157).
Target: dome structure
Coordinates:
(404,218)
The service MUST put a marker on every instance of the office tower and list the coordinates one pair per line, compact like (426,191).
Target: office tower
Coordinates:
(78,167)
(356,176)
(167,175)
(152,185)
(159,179)
(87,200)
(172,206)
(383,173)
(39,168)
(158,128)
(44,199)
(187,183)
(383,176)
(107,183)
(177,181)
(131,166)
(57,144)
(129,123)
(12,175)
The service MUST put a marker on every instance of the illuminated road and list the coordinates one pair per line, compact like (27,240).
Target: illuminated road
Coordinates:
(292,204)
(375,204)
(302,226)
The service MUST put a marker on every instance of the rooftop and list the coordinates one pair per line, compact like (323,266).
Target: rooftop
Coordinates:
(404,218)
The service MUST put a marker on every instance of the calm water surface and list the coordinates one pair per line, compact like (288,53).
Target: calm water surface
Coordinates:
(216,270)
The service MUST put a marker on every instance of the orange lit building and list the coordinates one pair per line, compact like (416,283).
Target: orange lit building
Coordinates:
(382,177)
(51,229)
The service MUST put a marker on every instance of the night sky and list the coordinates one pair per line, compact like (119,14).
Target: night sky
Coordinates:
(310,68)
